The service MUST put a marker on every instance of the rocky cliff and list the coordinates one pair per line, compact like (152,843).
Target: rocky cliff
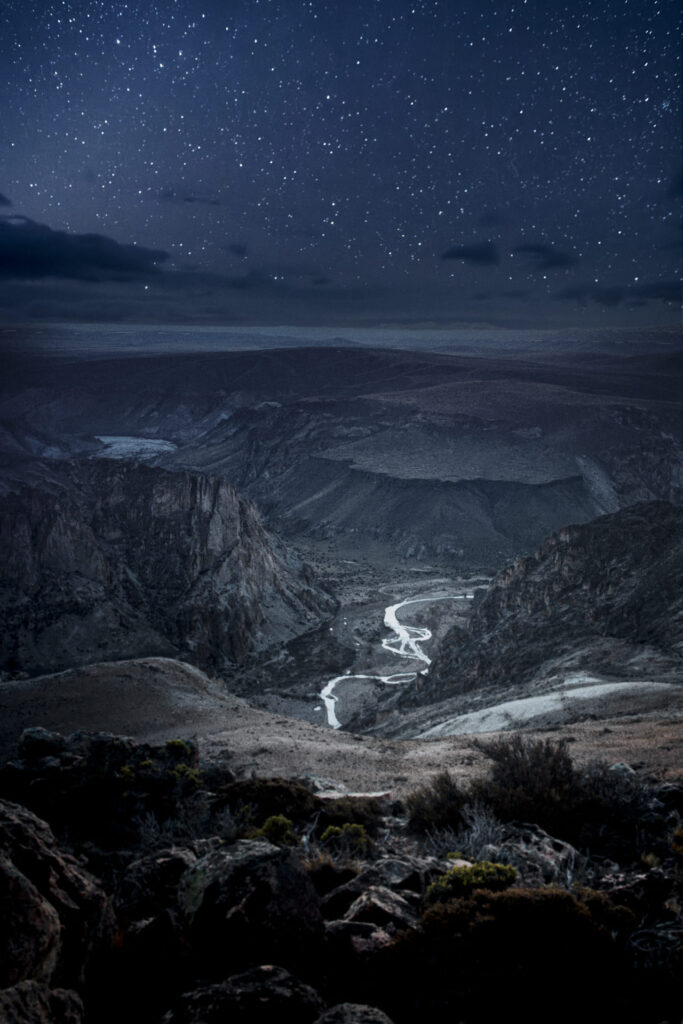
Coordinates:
(109,560)
(612,587)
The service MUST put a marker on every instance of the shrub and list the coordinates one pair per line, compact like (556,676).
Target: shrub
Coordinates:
(179,749)
(350,839)
(598,807)
(531,780)
(268,797)
(189,778)
(481,828)
(326,873)
(464,878)
(436,805)
(533,954)
(277,830)
(360,810)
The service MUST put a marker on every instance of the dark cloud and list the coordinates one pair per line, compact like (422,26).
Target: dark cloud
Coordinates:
(666,291)
(238,249)
(321,280)
(254,279)
(634,295)
(172,196)
(32,250)
(546,257)
(485,254)
(4,201)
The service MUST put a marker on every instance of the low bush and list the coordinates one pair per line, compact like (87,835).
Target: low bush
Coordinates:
(464,878)
(529,780)
(436,805)
(268,797)
(538,955)
(277,829)
(605,810)
(359,810)
(349,839)
(326,872)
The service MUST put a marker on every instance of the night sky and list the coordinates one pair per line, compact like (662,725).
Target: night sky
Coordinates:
(341,161)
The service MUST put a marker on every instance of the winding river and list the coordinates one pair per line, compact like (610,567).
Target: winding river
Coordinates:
(405,643)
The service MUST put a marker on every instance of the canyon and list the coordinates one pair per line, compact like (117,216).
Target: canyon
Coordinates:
(255,512)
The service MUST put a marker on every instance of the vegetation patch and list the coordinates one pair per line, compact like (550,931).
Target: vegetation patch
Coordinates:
(350,838)
(268,797)
(436,805)
(277,829)
(464,878)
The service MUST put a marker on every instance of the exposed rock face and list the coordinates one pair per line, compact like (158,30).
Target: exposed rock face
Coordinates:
(619,577)
(251,896)
(353,1013)
(539,858)
(29,1002)
(55,913)
(263,995)
(108,559)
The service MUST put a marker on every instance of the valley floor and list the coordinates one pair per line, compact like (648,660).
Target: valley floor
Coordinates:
(155,699)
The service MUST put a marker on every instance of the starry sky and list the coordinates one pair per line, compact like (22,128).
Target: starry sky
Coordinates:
(341,161)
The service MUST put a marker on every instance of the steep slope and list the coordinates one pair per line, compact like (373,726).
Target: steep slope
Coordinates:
(107,559)
(605,596)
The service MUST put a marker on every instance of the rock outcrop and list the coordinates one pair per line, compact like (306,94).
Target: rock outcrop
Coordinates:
(55,914)
(248,898)
(263,995)
(106,560)
(617,580)
(30,1002)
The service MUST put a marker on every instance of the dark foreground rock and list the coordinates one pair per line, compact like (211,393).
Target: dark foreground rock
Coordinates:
(56,915)
(353,1013)
(98,786)
(249,900)
(263,995)
(193,910)
(29,1002)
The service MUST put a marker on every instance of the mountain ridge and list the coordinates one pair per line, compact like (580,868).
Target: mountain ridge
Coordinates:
(112,559)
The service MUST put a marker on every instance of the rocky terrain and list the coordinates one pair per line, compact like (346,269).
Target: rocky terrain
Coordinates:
(142,882)
(106,559)
(186,836)
(466,459)
(591,625)
(618,578)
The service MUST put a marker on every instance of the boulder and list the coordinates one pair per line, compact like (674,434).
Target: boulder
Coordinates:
(355,938)
(353,1013)
(263,995)
(56,915)
(30,933)
(380,906)
(538,857)
(643,892)
(30,1002)
(150,883)
(409,876)
(249,902)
